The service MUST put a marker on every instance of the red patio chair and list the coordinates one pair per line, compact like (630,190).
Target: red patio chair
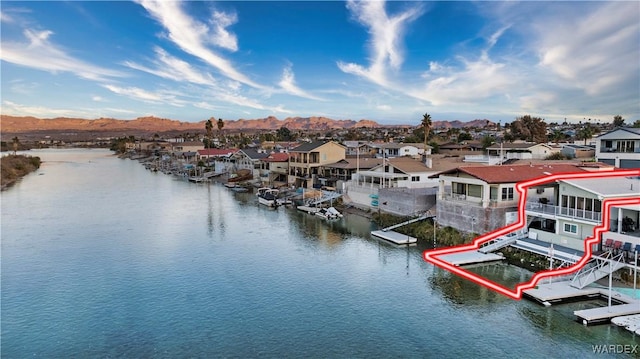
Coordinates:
(608,243)
(616,246)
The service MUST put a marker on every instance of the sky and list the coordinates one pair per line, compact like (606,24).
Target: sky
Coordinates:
(389,62)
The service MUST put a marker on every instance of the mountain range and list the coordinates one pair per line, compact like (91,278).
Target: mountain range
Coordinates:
(15,124)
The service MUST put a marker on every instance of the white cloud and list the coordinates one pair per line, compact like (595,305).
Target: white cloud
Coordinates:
(40,53)
(16,109)
(288,83)
(385,43)
(191,36)
(476,80)
(170,67)
(221,37)
(147,96)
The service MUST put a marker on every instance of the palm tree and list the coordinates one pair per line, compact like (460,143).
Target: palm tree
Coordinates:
(220,126)
(426,124)
(208,126)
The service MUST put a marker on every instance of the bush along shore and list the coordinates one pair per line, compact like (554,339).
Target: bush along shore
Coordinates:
(448,236)
(15,167)
(423,230)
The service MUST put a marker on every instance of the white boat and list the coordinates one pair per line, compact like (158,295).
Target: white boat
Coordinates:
(328,213)
(268,196)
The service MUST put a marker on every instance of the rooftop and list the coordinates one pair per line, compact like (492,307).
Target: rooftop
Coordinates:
(512,173)
(612,187)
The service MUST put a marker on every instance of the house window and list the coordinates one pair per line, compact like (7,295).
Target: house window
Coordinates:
(458,188)
(570,228)
(625,146)
(507,194)
(493,194)
(474,190)
(415,178)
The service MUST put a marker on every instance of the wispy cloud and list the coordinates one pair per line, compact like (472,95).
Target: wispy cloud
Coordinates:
(173,68)
(593,52)
(221,37)
(470,81)
(40,53)
(148,96)
(288,83)
(386,38)
(16,109)
(192,36)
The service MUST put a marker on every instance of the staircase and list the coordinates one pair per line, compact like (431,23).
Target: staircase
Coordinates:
(597,268)
(498,243)
(417,219)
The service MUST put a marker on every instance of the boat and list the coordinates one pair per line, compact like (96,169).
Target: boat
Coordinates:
(241,175)
(268,196)
(328,213)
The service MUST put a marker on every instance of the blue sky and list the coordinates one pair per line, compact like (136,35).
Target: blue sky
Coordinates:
(388,62)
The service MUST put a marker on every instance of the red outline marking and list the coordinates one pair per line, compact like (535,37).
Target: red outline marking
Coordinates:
(431,256)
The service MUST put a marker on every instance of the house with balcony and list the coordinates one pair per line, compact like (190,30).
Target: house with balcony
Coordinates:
(338,173)
(569,210)
(306,162)
(356,148)
(481,199)
(277,165)
(221,159)
(380,186)
(620,147)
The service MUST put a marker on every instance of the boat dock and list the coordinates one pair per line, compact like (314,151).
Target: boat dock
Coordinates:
(557,292)
(399,238)
(395,237)
(470,257)
(606,314)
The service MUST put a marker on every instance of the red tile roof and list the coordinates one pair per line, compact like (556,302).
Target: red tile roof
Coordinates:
(277,157)
(512,173)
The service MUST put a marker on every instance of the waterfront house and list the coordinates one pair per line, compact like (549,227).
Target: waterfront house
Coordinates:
(186,146)
(620,147)
(248,158)
(306,161)
(338,173)
(277,164)
(480,199)
(376,188)
(573,207)
(219,158)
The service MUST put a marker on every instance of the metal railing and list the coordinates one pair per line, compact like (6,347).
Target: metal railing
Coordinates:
(563,211)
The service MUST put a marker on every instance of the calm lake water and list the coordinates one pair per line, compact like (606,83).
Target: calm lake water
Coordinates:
(102,258)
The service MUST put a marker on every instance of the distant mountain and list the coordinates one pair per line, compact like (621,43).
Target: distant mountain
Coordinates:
(13,124)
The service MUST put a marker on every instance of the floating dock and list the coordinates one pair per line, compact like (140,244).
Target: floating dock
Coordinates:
(558,292)
(606,314)
(395,237)
(470,257)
